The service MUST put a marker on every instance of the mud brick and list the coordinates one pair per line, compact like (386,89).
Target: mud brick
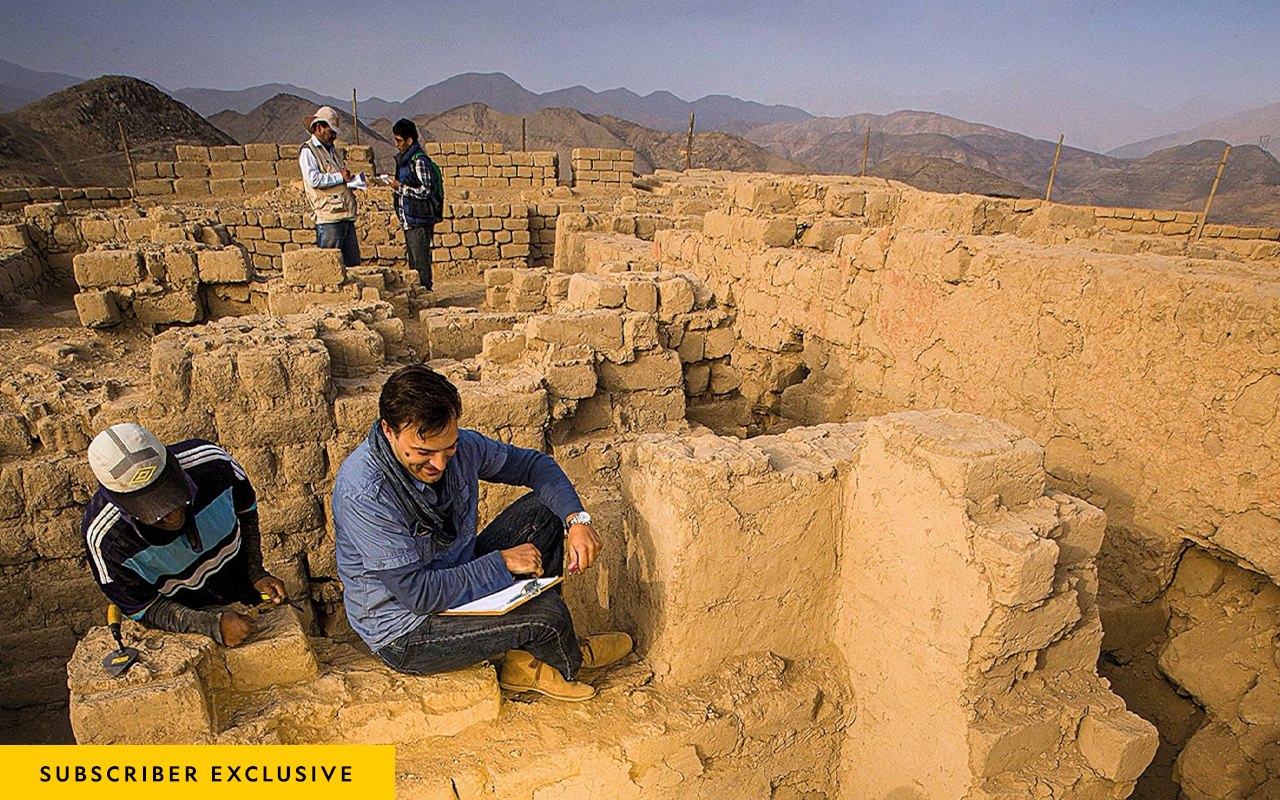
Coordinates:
(314,266)
(179,266)
(226,169)
(186,152)
(191,187)
(1019,564)
(191,169)
(158,186)
(226,187)
(106,268)
(573,381)
(279,653)
(177,305)
(592,291)
(1119,745)
(259,169)
(650,371)
(97,231)
(354,352)
(260,151)
(15,440)
(227,265)
(177,712)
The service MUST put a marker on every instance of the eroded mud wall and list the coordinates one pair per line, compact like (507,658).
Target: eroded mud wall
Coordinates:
(1146,366)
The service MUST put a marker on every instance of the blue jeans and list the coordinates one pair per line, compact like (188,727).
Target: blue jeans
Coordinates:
(542,626)
(340,235)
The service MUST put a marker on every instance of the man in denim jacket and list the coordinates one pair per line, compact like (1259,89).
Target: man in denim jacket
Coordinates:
(405,512)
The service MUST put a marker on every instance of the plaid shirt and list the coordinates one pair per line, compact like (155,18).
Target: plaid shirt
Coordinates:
(423,172)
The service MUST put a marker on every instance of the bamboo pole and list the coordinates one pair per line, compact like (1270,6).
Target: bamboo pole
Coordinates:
(1054,170)
(688,150)
(1212,192)
(124,143)
(355,118)
(523,149)
(866,149)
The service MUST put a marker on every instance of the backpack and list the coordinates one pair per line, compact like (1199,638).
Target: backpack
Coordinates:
(432,207)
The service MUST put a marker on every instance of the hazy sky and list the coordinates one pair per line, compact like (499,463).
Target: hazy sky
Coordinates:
(1156,53)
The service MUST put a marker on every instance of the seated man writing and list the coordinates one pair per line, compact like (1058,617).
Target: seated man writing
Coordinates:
(405,512)
(172,530)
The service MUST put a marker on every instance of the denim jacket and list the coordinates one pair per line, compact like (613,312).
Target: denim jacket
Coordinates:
(373,534)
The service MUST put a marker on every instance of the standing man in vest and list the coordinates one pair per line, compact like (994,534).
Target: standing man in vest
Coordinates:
(325,176)
(419,198)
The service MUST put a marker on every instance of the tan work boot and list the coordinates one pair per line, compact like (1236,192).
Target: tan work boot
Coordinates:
(521,672)
(603,649)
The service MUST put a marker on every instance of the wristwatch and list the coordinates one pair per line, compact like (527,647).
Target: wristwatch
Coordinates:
(581,518)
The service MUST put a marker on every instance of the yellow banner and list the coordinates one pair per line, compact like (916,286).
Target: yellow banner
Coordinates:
(196,772)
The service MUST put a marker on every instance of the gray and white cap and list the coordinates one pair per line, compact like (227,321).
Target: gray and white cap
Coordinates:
(135,469)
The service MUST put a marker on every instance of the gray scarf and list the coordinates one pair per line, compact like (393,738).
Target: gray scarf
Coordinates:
(416,503)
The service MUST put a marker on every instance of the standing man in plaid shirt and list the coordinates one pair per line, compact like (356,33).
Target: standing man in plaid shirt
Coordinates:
(419,197)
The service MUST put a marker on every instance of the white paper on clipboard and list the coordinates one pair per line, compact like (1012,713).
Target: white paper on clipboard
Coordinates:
(503,600)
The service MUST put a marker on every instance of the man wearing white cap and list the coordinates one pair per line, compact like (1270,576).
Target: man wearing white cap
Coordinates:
(172,530)
(324,177)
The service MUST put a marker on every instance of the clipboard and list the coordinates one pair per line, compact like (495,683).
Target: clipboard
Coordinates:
(503,600)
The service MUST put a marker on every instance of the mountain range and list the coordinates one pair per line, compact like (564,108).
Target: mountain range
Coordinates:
(659,110)
(71,137)
(1039,103)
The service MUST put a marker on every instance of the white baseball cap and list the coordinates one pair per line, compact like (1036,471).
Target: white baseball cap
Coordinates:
(135,469)
(328,116)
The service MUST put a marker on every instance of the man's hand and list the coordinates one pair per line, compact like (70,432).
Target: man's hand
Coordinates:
(272,588)
(583,545)
(523,559)
(346,174)
(235,628)
(393,183)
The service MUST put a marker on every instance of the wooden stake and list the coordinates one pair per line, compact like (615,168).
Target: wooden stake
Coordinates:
(866,148)
(133,176)
(355,118)
(688,151)
(1212,192)
(1054,170)
(523,149)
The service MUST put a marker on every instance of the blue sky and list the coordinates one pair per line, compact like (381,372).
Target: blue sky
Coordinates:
(829,57)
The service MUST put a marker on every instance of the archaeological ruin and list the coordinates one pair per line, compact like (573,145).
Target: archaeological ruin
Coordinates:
(905,496)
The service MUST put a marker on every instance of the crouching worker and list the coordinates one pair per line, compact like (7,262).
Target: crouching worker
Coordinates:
(405,512)
(173,530)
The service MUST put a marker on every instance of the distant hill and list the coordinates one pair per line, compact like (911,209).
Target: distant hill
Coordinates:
(658,110)
(72,137)
(1253,126)
(20,86)
(941,153)
(948,177)
(562,129)
(835,144)
(283,118)
(1181,177)
(209,102)
(711,150)
(558,129)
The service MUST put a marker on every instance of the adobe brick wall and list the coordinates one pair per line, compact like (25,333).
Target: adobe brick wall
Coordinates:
(602,167)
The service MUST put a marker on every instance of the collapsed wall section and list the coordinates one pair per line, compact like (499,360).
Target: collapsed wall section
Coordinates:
(1142,360)
(969,624)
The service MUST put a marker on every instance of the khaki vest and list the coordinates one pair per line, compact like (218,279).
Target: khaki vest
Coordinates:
(333,203)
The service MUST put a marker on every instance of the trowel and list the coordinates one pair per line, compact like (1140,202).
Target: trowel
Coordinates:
(118,661)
